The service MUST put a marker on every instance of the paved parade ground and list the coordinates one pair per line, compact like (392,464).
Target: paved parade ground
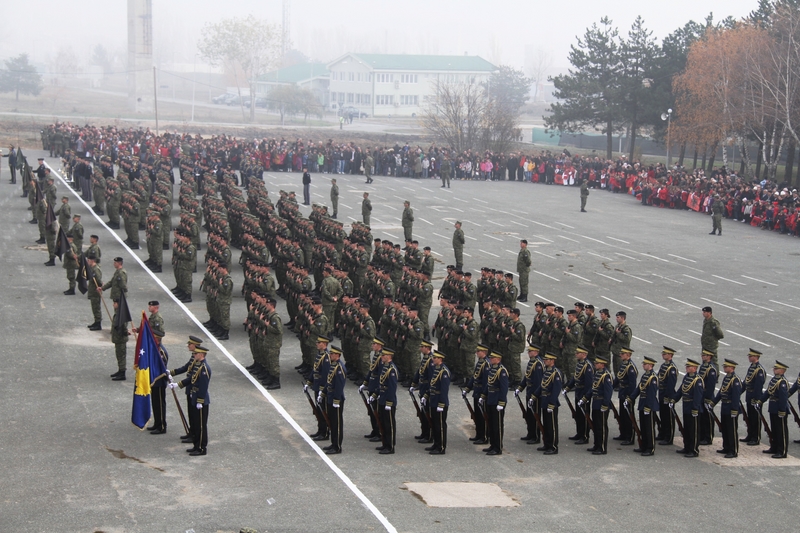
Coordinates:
(73,462)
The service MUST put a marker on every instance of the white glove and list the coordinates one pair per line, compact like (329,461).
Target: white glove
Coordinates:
(563,392)
(172,385)
(305,387)
(199,406)
(625,404)
(549,410)
(480,401)
(319,398)
(530,403)
(411,390)
(516,392)
(463,394)
(440,409)
(169,375)
(733,415)
(581,402)
(423,401)
(500,407)
(694,415)
(388,407)
(361,387)
(335,405)
(671,405)
(371,399)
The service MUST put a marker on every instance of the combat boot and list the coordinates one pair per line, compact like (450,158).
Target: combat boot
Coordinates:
(69,292)
(96,326)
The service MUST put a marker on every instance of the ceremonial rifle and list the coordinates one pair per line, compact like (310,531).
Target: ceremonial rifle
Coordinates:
(634,424)
(766,426)
(616,414)
(569,403)
(318,412)
(420,412)
(677,419)
(714,416)
(371,412)
(587,417)
(535,414)
(471,410)
(794,414)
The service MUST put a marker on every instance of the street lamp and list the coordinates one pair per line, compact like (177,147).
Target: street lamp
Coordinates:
(668,117)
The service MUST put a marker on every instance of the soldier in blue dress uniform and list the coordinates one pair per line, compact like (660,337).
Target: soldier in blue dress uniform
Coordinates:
(439,402)
(319,385)
(647,392)
(548,394)
(477,384)
(371,384)
(197,381)
(531,380)
(709,374)
(158,396)
(421,383)
(625,380)
(667,380)
(192,343)
(494,401)
(729,394)
(599,397)
(778,395)
(335,381)
(753,385)
(387,401)
(581,382)
(691,394)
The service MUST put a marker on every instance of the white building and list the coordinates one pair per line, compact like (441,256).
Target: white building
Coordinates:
(397,85)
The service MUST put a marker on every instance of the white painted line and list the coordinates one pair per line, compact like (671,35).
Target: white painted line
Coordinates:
(511,252)
(760,280)
(600,256)
(390,235)
(542,224)
(437,253)
(787,305)
(651,303)
(750,339)
(638,339)
(495,238)
(784,338)
(726,279)
(717,303)
(670,337)
(755,305)
(523,304)
(379,220)
(471,222)
(682,258)
(457,209)
(401,198)
(615,302)
(615,239)
(391,188)
(470,238)
(425,221)
(636,277)
(593,239)
(546,275)
(442,236)
(627,257)
(567,238)
(275,404)
(577,276)
(426,189)
(410,189)
(567,225)
(479,200)
(698,279)
(393,208)
(380,197)
(353,219)
(488,253)
(543,238)
(684,303)
(669,279)
(700,335)
(348,207)
(655,257)
(609,277)
(540,253)
(545,300)
(460,200)
(493,222)
(465,253)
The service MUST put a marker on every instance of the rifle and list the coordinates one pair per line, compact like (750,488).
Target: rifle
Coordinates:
(587,417)
(794,414)
(616,414)
(635,425)
(714,416)
(420,411)
(471,410)
(677,419)
(485,415)
(318,412)
(371,412)
(766,426)
(536,415)
(525,414)
(180,412)
(571,408)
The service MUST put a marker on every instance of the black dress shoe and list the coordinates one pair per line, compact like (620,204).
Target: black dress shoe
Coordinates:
(620,437)
(647,454)
(425,441)
(768,450)
(151,428)
(592,449)
(314,435)
(575,437)
(626,443)
(704,442)
(494,452)
(731,455)
(197,452)
(195,449)
(158,431)
(120,377)
(542,449)
(797,441)
(745,439)
(534,441)
(722,451)
(665,443)
(753,443)
(526,437)
(481,442)
(320,437)
(329,447)
(117,373)
(156,269)
(431,448)
(551,451)
(376,438)
(487,449)
(333,451)
(638,450)
(779,456)
(187,438)
(682,450)
(691,455)
(582,441)
(386,452)
(437,452)
(69,292)
(598,452)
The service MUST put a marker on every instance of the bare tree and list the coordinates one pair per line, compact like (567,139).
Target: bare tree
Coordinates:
(537,67)
(455,113)
(246,47)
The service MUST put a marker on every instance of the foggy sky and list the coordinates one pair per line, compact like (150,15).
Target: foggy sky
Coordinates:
(498,30)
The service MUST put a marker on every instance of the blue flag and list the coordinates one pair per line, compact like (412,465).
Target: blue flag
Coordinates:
(148,366)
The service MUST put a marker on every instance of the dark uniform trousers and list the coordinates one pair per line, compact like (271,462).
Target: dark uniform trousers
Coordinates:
(780,434)
(322,426)
(531,407)
(335,417)
(690,430)
(158,397)
(480,422)
(600,423)
(496,427)
(581,424)
(439,429)
(388,421)
(198,420)
(648,428)
(753,423)
(706,425)
(730,434)
(625,424)
(551,429)
(667,428)
(426,420)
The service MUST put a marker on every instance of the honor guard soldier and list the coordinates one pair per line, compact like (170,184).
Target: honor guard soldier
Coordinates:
(439,403)
(387,402)
(197,381)
(421,383)
(625,381)
(708,373)
(366,209)
(599,398)
(494,401)
(778,395)
(691,393)
(753,385)
(667,381)
(647,392)
(371,384)
(477,384)
(319,385)
(336,379)
(581,382)
(188,368)
(548,393)
(729,394)
(531,381)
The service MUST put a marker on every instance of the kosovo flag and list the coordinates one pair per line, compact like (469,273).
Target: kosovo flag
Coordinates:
(148,365)
(83,274)
(62,244)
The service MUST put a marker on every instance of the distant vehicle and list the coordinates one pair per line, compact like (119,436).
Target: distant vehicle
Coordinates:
(260,102)
(350,110)
(223,98)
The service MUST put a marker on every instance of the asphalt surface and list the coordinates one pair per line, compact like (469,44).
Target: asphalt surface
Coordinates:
(72,461)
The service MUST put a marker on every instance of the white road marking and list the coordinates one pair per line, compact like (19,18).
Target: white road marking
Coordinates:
(726,279)
(760,280)
(684,303)
(567,238)
(465,253)
(470,238)
(523,304)
(460,200)
(700,335)
(749,338)
(348,207)
(391,188)
(410,189)
(540,253)
(754,305)
(655,257)
(638,339)
(575,298)
(670,337)
(636,277)
(512,253)
(651,303)
(493,222)
(379,220)
(787,305)
(609,277)
(698,279)
(593,239)
(390,235)
(380,197)
(489,253)
(393,208)
(442,236)
(425,221)
(457,209)
(668,279)
(437,253)
(717,303)
(491,237)
(784,338)
(542,224)
(615,239)
(546,275)
(577,276)
(614,302)
(470,222)
(481,201)
(425,189)
(567,225)
(545,300)
(351,218)
(271,399)
(627,257)
(600,256)
(543,238)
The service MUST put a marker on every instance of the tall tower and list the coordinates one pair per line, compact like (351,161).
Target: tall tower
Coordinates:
(140,55)
(285,38)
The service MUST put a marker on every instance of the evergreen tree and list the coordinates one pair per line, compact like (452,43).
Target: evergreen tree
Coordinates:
(20,76)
